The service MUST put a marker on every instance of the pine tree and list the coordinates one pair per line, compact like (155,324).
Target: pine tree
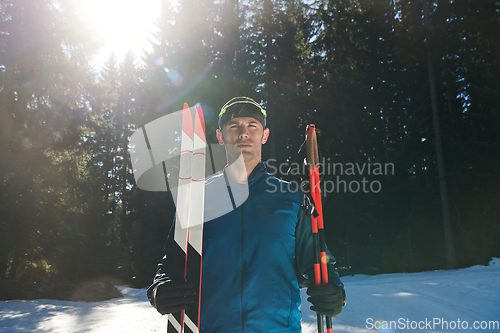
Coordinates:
(44,81)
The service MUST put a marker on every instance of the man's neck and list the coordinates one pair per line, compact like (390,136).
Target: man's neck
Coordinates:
(240,170)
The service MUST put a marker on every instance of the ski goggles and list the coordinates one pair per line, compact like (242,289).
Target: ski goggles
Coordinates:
(244,108)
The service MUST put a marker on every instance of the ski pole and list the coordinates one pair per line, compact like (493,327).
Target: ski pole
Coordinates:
(320,260)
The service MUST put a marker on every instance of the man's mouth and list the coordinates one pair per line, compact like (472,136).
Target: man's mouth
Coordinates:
(243,145)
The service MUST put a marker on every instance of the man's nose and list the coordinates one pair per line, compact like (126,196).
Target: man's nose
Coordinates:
(243,133)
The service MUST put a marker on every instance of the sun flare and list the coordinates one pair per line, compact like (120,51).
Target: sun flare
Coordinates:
(125,24)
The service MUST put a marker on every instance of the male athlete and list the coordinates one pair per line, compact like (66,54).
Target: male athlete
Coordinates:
(256,255)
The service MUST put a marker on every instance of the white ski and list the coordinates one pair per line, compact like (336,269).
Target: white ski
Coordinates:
(190,214)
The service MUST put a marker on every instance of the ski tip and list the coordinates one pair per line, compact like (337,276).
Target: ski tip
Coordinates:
(187,122)
(199,125)
(199,111)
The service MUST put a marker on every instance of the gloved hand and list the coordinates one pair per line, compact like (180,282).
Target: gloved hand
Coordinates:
(171,297)
(326,300)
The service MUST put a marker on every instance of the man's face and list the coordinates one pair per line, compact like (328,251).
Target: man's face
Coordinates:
(243,135)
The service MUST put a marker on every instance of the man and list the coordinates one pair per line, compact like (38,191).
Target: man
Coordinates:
(255,256)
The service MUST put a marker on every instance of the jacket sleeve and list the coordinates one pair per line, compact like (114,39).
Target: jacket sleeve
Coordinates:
(304,249)
(164,268)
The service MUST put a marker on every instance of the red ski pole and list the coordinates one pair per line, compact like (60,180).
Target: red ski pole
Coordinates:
(320,263)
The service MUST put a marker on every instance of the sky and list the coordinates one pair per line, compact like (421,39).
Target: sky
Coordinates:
(124,24)
(435,302)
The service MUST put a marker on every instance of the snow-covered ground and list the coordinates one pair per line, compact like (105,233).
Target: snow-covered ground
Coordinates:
(418,302)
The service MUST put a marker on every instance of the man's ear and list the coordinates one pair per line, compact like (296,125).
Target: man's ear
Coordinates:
(220,137)
(265,136)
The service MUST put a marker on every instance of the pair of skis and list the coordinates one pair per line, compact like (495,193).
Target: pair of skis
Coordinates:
(188,234)
(320,260)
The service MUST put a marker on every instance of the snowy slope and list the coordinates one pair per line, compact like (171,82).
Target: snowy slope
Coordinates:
(407,300)
(471,294)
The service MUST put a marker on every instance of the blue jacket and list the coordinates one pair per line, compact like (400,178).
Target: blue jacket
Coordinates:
(253,258)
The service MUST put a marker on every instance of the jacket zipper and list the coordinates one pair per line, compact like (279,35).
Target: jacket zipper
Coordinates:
(243,270)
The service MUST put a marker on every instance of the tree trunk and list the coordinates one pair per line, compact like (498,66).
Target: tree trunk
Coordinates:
(270,75)
(451,260)
(4,259)
(15,263)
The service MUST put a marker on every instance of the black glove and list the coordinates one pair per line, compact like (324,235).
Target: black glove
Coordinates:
(327,300)
(171,297)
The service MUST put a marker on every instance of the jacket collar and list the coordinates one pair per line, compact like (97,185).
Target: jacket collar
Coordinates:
(257,173)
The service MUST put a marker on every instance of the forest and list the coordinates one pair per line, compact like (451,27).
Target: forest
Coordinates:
(407,88)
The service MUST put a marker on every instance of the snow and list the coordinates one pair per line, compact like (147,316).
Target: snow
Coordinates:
(407,302)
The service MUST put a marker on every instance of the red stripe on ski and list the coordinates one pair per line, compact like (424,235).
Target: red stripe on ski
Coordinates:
(199,289)
(200,130)
(187,123)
